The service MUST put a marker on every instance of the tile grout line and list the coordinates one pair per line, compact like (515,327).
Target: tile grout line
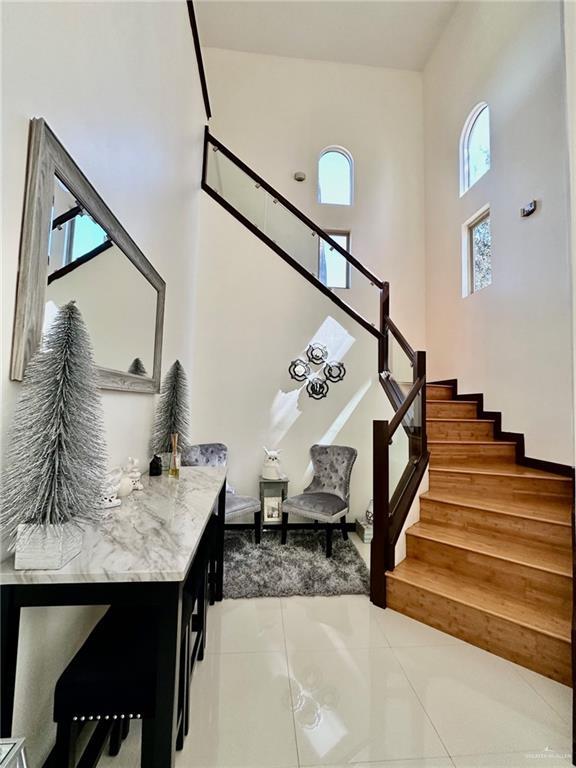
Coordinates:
(292,707)
(422,703)
(533,687)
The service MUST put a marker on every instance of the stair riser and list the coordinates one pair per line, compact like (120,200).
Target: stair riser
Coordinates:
(438,392)
(519,581)
(479,520)
(502,487)
(464,455)
(529,648)
(452,410)
(460,430)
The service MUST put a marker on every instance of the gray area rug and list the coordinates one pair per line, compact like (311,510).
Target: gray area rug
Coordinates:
(300,567)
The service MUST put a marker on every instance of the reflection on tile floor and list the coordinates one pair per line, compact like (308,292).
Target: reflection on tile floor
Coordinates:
(335,681)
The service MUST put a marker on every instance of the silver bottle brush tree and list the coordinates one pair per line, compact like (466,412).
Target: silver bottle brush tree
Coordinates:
(137,367)
(172,412)
(56,456)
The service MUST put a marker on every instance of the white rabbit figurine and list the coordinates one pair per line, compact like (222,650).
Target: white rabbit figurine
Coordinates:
(271,469)
(109,496)
(132,471)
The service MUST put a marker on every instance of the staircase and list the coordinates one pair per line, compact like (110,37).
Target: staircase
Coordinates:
(490,560)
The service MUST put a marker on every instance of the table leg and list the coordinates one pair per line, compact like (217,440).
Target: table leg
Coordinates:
(9,631)
(219,591)
(159,734)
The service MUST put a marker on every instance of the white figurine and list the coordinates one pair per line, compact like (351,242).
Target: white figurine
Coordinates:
(109,497)
(128,478)
(132,471)
(271,469)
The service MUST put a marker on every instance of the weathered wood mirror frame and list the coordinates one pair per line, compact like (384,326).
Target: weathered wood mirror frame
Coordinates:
(48,158)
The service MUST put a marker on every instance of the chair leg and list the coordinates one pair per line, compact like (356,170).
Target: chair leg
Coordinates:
(257,526)
(125,728)
(344,528)
(115,739)
(329,529)
(284,534)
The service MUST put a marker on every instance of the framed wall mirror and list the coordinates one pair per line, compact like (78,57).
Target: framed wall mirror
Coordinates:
(73,248)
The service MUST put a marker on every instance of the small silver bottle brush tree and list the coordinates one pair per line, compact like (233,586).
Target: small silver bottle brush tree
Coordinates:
(56,457)
(172,418)
(137,367)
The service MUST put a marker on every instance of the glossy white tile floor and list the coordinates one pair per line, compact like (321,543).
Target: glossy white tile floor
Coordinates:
(337,682)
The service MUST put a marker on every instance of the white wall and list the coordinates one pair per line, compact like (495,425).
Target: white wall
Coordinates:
(512,340)
(277,114)
(117,83)
(254,314)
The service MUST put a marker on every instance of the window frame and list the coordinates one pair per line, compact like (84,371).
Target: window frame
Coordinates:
(465,184)
(468,250)
(340,233)
(348,155)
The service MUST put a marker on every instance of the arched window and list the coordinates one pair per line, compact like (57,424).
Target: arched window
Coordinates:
(335,177)
(475,147)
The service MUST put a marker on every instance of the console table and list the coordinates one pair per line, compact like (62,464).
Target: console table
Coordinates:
(140,554)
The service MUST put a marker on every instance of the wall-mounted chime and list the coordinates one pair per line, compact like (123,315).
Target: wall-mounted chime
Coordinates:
(317,386)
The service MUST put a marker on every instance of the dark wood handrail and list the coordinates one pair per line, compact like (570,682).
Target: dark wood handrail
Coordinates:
(84,259)
(68,215)
(292,208)
(199,59)
(366,324)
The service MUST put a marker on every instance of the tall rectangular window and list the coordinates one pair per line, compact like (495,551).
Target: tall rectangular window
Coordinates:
(333,269)
(480,253)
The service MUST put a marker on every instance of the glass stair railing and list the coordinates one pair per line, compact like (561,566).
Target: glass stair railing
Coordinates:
(400,446)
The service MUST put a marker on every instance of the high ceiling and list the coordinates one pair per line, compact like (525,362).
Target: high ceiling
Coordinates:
(381,33)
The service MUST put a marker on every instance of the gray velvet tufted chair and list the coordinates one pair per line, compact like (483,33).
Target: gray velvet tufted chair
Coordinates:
(216,455)
(327,497)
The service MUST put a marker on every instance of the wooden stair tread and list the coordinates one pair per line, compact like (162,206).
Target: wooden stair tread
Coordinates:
(502,470)
(472,443)
(451,402)
(482,597)
(514,509)
(531,554)
(467,420)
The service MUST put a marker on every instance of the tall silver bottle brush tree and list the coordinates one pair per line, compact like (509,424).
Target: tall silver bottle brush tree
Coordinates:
(172,413)
(56,456)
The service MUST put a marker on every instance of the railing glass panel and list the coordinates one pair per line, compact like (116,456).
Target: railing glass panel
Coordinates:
(400,365)
(406,446)
(315,253)
(398,458)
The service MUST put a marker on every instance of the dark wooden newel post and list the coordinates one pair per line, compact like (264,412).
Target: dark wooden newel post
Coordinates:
(380,539)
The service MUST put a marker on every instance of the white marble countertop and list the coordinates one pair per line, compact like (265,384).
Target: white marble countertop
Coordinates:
(152,536)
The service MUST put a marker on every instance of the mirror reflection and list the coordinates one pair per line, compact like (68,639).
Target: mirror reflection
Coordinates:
(117,302)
